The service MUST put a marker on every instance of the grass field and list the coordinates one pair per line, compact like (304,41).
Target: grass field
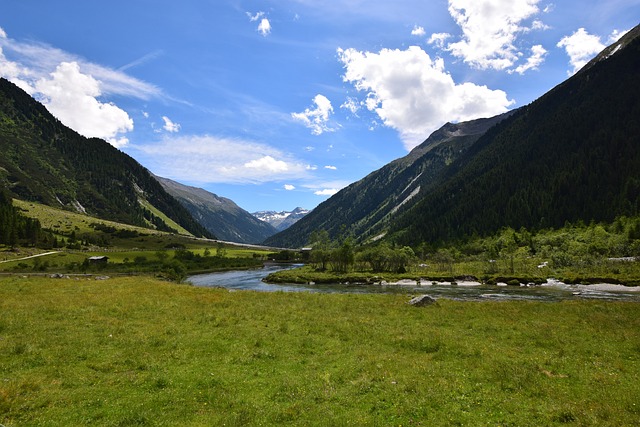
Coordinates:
(138,351)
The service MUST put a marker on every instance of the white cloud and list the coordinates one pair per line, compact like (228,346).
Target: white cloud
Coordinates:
(438,39)
(73,88)
(326,192)
(616,35)
(418,31)
(539,25)
(490,28)
(352,104)
(267,164)
(264,27)
(13,72)
(255,17)
(316,119)
(71,96)
(37,61)
(209,159)
(333,168)
(170,126)
(414,94)
(289,187)
(533,62)
(581,47)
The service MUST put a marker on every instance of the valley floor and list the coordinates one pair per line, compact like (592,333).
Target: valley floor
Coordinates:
(139,351)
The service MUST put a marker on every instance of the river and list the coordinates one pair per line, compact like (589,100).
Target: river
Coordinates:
(554,291)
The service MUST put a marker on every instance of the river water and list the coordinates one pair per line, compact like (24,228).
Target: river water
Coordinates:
(465,291)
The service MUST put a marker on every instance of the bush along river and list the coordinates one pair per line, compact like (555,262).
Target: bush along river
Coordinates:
(462,290)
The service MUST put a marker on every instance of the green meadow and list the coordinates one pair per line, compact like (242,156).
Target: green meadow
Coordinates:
(139,351)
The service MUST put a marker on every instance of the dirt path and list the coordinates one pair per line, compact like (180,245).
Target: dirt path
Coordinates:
(31,256)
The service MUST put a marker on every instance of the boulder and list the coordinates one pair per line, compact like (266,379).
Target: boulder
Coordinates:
(422,300)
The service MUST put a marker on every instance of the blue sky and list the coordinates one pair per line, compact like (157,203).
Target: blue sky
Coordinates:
(278,104)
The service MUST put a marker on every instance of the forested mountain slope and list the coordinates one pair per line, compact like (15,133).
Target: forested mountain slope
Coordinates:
(365,209)
(219,215)
(43,160)
(573,154)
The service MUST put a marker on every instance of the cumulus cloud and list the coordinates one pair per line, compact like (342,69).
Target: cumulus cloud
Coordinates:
(539,25)
(418,31)
(438,39)
(581,47)
(169,125)
(333,168)
(533,62)
(209,159)
(73,88)
(316,119)
(264,27)
(37,60)
(267,164)
(289,187)
(13,72)
(616,35)
(490,28)
(71,96)
(326,192)
(414,94)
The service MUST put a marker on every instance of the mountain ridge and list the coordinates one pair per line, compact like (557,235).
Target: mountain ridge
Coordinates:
(570,155)
(364,208)
(283,219)
(45,161)
(219,215)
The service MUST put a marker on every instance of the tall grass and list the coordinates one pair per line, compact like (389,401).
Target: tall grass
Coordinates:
(137,351)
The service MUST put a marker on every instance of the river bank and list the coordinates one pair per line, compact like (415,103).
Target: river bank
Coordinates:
(464,289)
(308,275)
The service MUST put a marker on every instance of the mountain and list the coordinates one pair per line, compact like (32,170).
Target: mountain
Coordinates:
(365,208)
(42,160)
(219,215)
(571,155)
(281,220)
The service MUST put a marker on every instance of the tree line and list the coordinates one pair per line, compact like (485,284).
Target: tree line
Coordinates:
(343,255)
(17,229)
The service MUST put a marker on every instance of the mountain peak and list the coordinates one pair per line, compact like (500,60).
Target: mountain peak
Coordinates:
(283,219)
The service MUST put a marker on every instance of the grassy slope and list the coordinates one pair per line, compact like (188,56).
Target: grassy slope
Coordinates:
(64,221)
(136,351)
(145,244)
(171,223)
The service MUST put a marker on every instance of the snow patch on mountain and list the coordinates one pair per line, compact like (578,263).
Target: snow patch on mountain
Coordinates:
(281,220)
